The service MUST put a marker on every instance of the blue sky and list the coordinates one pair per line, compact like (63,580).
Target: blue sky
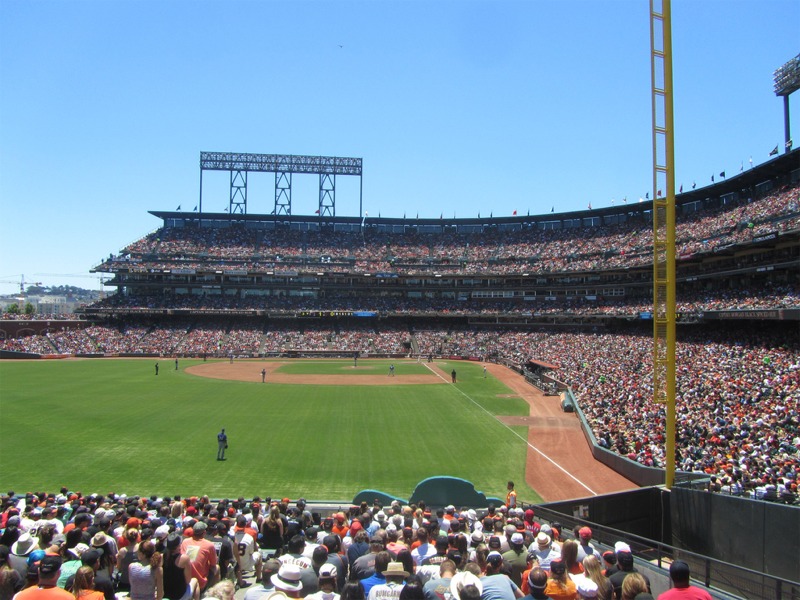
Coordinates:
(456,107)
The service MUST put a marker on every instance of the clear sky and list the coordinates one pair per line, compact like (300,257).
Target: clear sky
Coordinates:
(456,107)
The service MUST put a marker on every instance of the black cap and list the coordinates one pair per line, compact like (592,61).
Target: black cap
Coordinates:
(49,565)
(90,557)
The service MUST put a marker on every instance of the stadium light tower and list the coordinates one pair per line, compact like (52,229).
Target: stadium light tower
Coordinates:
(787,81)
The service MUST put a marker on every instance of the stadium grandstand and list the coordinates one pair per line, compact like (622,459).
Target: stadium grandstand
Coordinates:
(565,299)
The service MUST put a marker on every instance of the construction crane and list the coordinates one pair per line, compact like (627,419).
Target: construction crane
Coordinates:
(22,284)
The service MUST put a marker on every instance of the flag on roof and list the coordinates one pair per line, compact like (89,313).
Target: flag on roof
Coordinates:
(774,151)
(680,191)
(722,174)
(179,207)
(514,213)
(195,208)
(316,212)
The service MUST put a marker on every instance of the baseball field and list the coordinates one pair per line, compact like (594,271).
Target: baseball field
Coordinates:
(320,429)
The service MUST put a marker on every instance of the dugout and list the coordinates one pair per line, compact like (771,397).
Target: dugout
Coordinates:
(536,372)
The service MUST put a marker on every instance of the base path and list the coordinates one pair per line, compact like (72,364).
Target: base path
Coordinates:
(560,464)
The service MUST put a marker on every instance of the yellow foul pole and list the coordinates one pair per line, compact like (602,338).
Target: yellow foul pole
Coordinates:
(663,222)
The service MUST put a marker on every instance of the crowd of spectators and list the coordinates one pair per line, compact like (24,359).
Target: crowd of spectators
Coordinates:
(767,296)
(107,546)
(493,250)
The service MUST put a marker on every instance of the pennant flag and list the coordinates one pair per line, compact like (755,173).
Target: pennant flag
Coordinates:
(479,215)
(741,168)
(625,200)
(774,151)
(404,215)
(418,215)
(722,174)
(491,214)
(680,191)
(226,209)
(789,144)
(553,209)
(195,208)
(659,193)
(529,212)
(441,215)
(647,196)
(712,179)
(612,202)
(316,212)
(179,207)
(694,184)
(590,206)
(379,214)
(514,214)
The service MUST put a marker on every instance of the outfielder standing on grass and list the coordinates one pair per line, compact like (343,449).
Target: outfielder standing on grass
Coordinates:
(222,444)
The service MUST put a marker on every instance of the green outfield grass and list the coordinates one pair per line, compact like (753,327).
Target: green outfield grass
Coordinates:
(111,425)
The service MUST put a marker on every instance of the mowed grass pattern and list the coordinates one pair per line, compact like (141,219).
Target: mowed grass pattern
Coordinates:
(112,425)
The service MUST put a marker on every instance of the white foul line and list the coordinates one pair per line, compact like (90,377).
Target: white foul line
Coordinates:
(531,446)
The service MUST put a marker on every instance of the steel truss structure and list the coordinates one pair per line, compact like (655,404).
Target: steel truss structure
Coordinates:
(284,166)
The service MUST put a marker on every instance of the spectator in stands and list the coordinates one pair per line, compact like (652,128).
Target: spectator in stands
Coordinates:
(264,588)
(633,585)
(559,585)
(594,571)
(625,564)
(288,580)
(395,577)
(203,556)
(585,546)
(48,572)
(437,588)
(380,564)
(179,584)
(146,575)
(681,588)
(496,584)
(542,551)
(10,581)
